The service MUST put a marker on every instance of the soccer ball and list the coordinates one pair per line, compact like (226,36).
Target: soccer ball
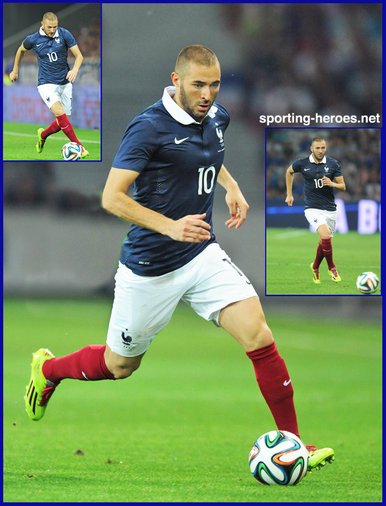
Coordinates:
(71,151)
(367,282)
(278,457)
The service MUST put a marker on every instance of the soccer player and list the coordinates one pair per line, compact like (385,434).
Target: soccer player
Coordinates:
(172,154)
(51,44)
(321,174)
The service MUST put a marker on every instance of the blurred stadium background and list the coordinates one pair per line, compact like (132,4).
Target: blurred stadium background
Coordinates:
(22,103)
(276,58)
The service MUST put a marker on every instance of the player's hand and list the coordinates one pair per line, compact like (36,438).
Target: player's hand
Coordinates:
(71,75)
(238,207)
(289,200)
(13,76)
(190,228)
(326,181)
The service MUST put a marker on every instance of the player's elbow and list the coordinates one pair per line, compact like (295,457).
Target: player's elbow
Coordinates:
(289,172)
(107,201)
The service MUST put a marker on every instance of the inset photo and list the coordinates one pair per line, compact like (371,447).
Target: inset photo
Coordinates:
(52,82)
(323,202)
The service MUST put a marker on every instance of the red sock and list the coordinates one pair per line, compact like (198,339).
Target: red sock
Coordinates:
(52,129)
(319,257)
(85,364)
(67,129)
(275,385)
(327,252)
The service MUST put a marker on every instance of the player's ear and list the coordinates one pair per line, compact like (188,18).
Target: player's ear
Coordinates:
(175,78)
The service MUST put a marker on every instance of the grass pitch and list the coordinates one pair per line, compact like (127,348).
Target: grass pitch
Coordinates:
(289,253)
(180,429)
(19,141)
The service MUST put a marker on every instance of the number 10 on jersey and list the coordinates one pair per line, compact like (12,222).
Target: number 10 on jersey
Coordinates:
(206,177)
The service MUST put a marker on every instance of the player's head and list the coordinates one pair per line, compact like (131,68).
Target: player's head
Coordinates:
(318,148)
(196,77)
(49,23)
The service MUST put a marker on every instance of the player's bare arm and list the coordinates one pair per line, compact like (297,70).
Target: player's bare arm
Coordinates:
(339,183)
(71,75)
(190,228)
(238,206)
(19,55)
(289,179)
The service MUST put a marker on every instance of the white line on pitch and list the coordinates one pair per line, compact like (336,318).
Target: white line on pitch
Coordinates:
(53,138)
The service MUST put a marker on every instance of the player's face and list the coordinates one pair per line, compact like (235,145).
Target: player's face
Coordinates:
(318,149)
(197,88)
(50,27)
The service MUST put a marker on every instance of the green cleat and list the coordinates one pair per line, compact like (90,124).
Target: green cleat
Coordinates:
(40,143)
(39,389)
(315,274)
(84,154)
(319,458)
(334,275)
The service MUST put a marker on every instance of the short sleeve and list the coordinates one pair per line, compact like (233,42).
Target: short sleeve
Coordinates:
(297,165)
(338,170)
(27,42)
(137,146)
(69,38)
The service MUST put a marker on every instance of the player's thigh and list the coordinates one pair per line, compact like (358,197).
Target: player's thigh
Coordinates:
(216,283)
(50,95)
(142,307)
(245,321)
(65,94)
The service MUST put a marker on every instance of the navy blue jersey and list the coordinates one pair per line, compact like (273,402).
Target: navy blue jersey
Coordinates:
(178,160)
(51,53)
(316,195)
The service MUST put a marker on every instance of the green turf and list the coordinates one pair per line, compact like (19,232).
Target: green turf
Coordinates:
(289,253)
(180,429)
(19,141)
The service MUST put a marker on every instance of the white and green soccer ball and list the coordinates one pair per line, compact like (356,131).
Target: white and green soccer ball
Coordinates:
(367,282)
(278,457)
(71,152)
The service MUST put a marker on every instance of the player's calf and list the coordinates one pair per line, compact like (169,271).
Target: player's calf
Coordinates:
(119,366)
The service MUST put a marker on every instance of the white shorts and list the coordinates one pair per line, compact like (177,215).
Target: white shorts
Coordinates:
(143,305)
(317,217)
(52,93)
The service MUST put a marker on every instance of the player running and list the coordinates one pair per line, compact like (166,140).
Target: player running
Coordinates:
(321,175)
(55,78)
(172,155)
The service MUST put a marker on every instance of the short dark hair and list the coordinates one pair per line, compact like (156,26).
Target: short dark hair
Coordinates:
(50,16)
(197,53)
(318,139)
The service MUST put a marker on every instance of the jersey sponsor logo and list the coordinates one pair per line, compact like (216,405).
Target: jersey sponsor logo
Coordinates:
(180,141)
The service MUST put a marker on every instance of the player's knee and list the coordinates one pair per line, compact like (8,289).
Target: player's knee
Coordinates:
(122,372)
(122,367)
(260,338)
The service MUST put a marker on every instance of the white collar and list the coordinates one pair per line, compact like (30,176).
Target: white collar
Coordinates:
(41,32)
(177,112)
(311,159)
